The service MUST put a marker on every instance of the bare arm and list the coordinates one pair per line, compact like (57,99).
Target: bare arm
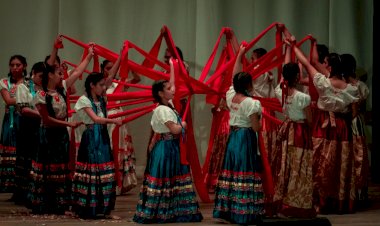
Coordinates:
(115,68)
(238,66)
(174,127)
(301,58)
(308,114)
(99,120)
(172,75)
(54,52)
(50,121)
(315,60)
(26,111)
(7,97)
(255,122)
(80,68)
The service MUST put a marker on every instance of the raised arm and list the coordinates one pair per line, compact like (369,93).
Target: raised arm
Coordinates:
(315,60)
(301,58)
(113,71)
(238,66)
(172,75)
(80,68)
(54,52)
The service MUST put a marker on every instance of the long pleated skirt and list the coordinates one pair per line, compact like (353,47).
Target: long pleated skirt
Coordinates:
(51,181)
(94,187)
(167,193)
(239,195)
(292,171)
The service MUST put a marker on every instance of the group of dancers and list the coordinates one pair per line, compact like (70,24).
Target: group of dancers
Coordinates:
(318,157)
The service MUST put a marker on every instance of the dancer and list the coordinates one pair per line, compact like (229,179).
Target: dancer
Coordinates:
(334,181)
(239,195)
(167,193)
(51,191)
(94,187)
(17,72)
(28,134)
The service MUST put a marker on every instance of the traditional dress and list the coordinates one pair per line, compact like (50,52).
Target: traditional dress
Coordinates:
(239,194)
(125,156)
(360,145)
(51,187)
(167,193)
(94,184)
(293,159)
(8,140)
(333,158)
(28,140)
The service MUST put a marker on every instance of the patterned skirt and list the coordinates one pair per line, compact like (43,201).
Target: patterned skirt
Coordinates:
(218,148)
(360,154)
(8,151)
(125,160)
(27,147)
(239,195)
(292,171)
(94,178)
(167,193)
(333,161)
(51,181)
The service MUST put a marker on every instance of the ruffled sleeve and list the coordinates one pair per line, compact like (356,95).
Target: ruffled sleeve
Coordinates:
(303,100)
(83,102)
(40,98)
(165,114)
(251,106)
(321,83)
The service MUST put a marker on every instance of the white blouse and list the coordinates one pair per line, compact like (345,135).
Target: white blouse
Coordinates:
(24,97)
(333,99)
(294,105)
(240,113)
(263,86)
(58,102)
(161,115)
(84,102)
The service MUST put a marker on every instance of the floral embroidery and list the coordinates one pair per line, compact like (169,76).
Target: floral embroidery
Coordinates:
(56,98)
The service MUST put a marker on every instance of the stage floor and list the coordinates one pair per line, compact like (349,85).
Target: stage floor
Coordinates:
(11,215)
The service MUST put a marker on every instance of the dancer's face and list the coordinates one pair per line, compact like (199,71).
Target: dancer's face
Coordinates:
(167,93)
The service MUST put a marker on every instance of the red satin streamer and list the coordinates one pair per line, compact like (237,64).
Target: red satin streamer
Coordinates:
(132,111)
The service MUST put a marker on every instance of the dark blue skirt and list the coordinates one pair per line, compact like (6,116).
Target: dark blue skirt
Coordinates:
(26,150)
(8,151)
(94,186)
(167,194)
(51,182)
(239,195)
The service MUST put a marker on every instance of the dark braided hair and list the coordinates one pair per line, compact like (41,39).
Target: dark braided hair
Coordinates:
(45,80)
(348,66)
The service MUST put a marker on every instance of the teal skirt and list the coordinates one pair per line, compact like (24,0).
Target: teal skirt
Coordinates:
(167,194)
(239,194)
(94,186)
(8,151)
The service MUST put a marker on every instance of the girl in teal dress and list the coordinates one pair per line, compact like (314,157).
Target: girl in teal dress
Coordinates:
(167,194)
